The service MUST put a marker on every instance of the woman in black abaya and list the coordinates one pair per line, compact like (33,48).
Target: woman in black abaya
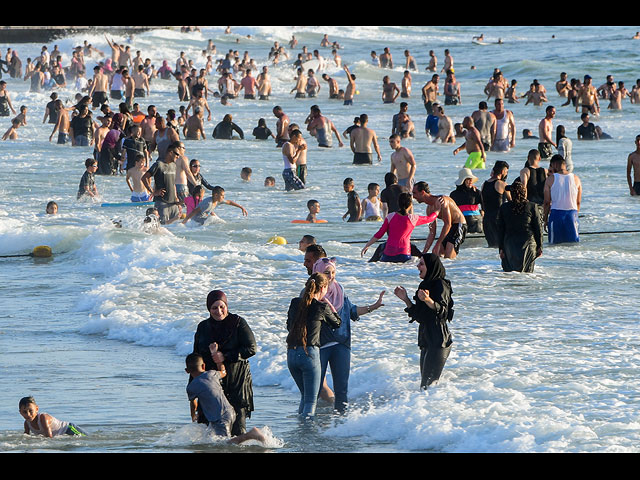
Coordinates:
(226,338)
(433,310)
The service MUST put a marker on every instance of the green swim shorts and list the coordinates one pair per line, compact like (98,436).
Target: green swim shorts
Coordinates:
(475,161)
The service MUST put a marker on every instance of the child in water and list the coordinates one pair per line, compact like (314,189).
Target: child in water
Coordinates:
(353,201)
(208,402)
(52,208)
(314,209)
(371,205)
(245,174)
(42,423)
(88,182)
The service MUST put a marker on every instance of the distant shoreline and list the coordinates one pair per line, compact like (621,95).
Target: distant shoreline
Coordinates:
(29,34)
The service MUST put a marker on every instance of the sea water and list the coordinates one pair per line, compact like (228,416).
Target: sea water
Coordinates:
(541,362)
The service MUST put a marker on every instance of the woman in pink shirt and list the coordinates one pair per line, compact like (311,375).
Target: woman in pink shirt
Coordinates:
(399,226)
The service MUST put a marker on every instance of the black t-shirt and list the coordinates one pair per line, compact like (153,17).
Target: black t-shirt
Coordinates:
(261,133)
(390,196)
(133,147)
(587,132)
(81,126)
(164,176)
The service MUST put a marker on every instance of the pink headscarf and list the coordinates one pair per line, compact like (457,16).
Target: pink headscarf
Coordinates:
(335,292)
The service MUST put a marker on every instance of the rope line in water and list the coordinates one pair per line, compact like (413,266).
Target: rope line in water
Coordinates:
(482,236)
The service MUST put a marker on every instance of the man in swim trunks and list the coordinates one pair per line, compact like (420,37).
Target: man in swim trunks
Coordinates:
(282,126)
(163,172)
(588,97)
(351,86)
(99,88)
(429,93)
(473,145)
(390,90)
(301,160)
(361,139)
(545,132)
(403,164)
(454,228)
(633,163)
(321,127)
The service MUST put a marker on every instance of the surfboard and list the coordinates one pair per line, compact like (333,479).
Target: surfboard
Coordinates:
(310,64)
(127,204)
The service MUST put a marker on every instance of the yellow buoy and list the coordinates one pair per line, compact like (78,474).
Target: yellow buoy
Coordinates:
(277,240)
(42,251)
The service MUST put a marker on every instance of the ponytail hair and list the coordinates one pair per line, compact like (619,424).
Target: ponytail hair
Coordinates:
(298,334)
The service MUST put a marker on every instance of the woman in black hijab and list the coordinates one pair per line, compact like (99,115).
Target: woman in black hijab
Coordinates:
(432,310)
(226,338)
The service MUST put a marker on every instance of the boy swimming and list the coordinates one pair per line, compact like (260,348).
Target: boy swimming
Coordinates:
(36,423)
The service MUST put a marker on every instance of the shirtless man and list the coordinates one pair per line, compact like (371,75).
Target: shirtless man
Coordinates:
(448,61)
(410,62)
(503,135)
(333,85)
(183,173)
(446,132)
(361,139)
(301,85)
(454,228)
(194,126)
(473,145)
(351,87)
(263,82)
(301,159)
(141,81)
(406,85)
(199,101)
(430,93)
(282,126)
(588,97)
(62,125)
(248,83)
(633,163)
(99,88)
(115,51)
(537,94)
(403,163)
(433,62)
(386,60)
(545,133)
(562,85)
(390,90)
(148,125)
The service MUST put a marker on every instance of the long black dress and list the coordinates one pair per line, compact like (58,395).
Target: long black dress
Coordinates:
(236,342)
(491,202)
(519,236)
(434,337)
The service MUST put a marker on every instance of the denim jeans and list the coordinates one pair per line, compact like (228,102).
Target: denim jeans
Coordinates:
(305,370)
(339,358)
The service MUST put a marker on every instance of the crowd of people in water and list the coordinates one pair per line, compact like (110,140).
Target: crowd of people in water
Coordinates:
(149,150)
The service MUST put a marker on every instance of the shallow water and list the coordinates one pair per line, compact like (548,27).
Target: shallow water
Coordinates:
(541,363)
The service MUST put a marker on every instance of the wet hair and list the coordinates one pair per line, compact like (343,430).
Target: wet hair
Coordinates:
(422,187)
(347,181)
(216,191)
(499,166)
(193,361)
(89,162)
(317,250)
(309,239)
(311,203)
(558,160)
(298,334)
(51,204)
(372,186)
(390,178)
(25,401)
(405,200)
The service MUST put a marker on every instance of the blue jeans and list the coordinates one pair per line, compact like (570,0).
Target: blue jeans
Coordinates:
(339,358)
(305,370)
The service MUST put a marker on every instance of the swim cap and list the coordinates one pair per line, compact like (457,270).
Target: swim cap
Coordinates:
(214,296)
